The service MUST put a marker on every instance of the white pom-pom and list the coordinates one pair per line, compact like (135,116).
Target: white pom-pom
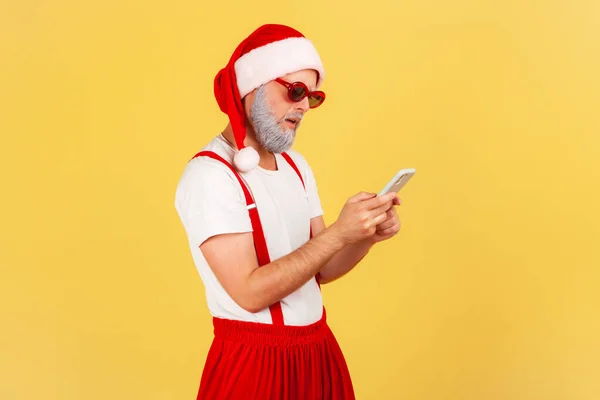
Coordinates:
(246,159)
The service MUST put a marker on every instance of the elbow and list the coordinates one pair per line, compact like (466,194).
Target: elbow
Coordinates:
(251,297)
(250,303)
(252,309)
(326,277)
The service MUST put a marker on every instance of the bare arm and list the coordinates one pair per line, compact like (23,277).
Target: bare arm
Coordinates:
(232,258)
(343,261)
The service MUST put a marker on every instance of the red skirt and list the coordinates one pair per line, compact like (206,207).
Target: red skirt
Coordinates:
(249,360)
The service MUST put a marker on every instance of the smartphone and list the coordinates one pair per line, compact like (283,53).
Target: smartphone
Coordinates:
(398,181)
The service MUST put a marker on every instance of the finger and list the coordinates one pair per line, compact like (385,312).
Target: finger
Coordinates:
(379,200)
(384,226)
(397,201)
(390,216)
(394,229)
(388,223)
(362,196)
(379,219)
(381,209)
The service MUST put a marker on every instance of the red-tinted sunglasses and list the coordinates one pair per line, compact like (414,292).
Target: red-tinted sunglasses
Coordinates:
(297,91)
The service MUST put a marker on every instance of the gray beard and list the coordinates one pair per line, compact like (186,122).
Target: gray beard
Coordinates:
(269,132)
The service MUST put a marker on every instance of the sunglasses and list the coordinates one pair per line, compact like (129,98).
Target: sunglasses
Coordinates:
(297,91)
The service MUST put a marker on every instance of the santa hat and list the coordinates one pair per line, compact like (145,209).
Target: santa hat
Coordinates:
(270,52)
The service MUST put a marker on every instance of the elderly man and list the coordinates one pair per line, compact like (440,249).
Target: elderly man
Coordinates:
(254,222)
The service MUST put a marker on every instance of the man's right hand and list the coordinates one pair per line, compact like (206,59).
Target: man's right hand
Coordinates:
(360,216)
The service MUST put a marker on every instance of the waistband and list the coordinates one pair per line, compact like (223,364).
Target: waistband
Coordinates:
(268,334)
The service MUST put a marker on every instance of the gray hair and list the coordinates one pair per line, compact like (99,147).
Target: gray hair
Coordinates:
(269,132)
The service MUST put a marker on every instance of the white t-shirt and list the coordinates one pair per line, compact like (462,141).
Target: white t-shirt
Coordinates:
(210,201)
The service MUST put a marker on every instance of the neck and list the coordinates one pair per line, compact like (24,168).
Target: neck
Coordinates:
(267,159)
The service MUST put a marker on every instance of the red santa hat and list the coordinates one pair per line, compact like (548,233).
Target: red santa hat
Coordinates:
(271,51)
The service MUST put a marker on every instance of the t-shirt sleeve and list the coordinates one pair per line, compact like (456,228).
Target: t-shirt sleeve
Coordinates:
(210,202)
(314,201)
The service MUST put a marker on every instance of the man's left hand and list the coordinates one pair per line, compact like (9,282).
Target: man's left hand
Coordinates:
(390,227)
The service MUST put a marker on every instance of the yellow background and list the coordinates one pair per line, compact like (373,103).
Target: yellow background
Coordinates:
(490,291)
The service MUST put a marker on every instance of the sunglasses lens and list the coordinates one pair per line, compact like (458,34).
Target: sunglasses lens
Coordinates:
(297,93)
(315,100)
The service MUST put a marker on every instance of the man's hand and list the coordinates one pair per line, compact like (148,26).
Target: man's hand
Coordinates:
(390,227)
(346,259)
(360,216)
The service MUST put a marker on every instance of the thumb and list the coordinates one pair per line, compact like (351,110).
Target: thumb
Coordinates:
(361,197)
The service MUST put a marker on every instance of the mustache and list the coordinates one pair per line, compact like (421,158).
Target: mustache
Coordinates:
(297,115)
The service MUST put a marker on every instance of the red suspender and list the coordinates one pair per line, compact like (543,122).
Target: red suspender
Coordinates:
(260,244)
(293,164)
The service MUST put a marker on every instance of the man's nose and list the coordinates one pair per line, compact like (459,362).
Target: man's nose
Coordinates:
(303,105)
